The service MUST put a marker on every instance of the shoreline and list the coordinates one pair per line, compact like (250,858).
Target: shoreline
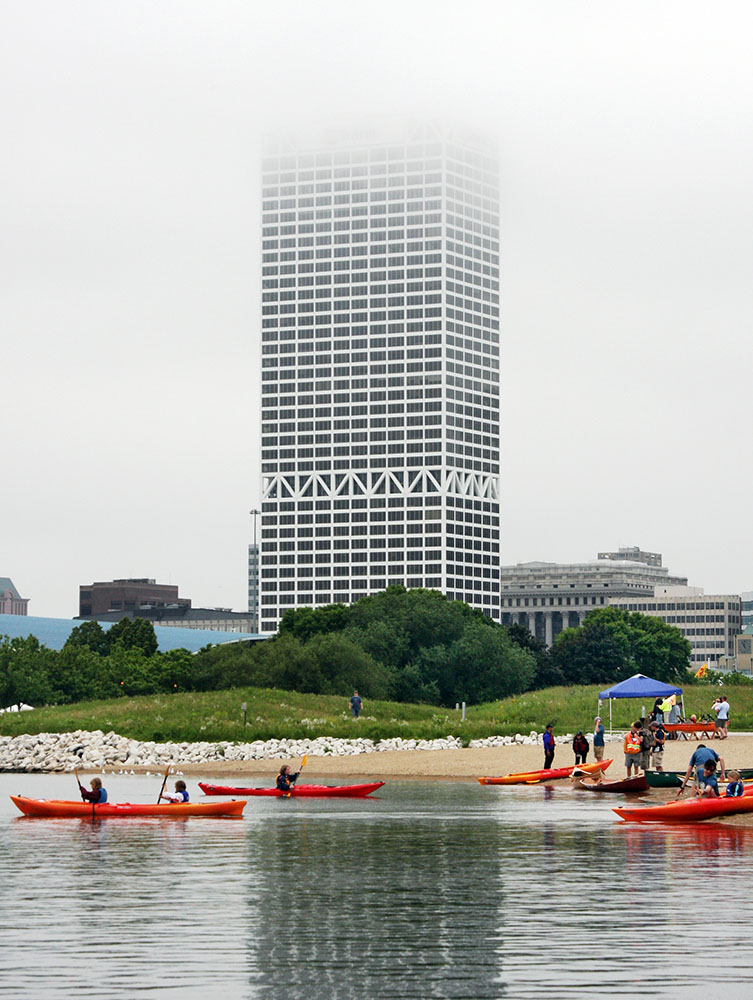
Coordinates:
(461,764)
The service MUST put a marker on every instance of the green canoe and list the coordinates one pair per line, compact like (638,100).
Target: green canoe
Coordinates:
(673,779)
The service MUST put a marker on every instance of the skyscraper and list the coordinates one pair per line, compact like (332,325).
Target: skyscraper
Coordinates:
(380,368)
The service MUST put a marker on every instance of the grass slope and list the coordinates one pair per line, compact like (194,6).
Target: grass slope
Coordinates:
(216,715)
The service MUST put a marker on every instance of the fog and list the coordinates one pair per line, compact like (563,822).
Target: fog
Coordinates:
(130,270)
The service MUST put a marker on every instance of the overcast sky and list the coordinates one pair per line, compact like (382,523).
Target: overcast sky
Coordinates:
(130,259)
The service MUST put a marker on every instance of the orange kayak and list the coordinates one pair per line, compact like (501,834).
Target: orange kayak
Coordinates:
(548,774)
(689,811)
(124,810)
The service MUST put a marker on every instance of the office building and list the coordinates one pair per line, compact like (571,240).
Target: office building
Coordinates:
(549,597)
(253,584)
(710,622)
(95,599)
(380,368)
(11,602)
(747,605)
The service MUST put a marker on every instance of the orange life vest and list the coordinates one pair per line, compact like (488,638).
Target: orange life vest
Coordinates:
(632,742)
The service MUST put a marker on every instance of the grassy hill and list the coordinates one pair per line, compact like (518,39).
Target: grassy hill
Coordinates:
(216,715)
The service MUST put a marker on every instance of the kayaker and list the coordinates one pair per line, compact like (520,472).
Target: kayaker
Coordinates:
(632,747)
(181,793)
(580,748)
(286,780)
(97,795)
(598,738)
(548,745)
(735,786)
(698,759)
(708,786)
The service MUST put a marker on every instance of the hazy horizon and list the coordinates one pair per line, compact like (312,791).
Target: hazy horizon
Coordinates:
(131,275)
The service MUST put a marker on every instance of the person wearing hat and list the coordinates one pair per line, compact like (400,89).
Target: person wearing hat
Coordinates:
(598,738)
(657,751)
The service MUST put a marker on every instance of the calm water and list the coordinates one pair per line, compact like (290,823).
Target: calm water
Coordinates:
(431,890)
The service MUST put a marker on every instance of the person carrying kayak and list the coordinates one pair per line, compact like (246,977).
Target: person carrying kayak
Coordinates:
(181,793)
(286,780)
(97,795)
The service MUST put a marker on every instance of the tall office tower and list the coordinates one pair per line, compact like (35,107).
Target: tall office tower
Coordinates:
(380,368)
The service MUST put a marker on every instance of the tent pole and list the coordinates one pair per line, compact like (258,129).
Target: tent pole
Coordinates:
(682,702)
(610,716)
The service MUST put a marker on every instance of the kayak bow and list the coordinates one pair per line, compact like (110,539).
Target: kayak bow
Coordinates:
(297,791)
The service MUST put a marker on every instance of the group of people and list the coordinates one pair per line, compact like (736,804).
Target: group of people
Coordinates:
(643,746)
(702,767)
(581,746)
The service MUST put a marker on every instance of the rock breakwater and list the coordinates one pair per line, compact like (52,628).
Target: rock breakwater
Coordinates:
(96,750)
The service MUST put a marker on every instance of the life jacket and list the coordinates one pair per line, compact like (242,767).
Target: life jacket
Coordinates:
(735,788)
(632,742)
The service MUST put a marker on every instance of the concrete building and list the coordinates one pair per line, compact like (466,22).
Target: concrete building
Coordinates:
(709,622)
(380,368)
(632,554)
(11,602)
(747,604)
(180,616)
(96,599)
(549,597)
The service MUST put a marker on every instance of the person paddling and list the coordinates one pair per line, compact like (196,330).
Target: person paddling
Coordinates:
(286,780)
(181,793)
(97,795)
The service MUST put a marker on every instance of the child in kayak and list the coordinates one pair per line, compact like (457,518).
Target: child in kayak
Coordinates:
(181,794)
(286,780)
(735,786)
(97,795)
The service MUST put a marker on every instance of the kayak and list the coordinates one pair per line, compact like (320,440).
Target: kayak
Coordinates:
(297,791)
(548,774)
(124,810)
(637,784)
(673,779)
(689,811)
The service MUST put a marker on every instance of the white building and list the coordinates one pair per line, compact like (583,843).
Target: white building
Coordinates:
(709,622)
(380,368)
(549,597)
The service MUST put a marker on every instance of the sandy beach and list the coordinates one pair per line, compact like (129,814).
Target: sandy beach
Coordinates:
(469,764)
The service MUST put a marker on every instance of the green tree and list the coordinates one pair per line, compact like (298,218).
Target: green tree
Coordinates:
(303,623)
(90,635)
(137,633)
(547,674)
(613,644)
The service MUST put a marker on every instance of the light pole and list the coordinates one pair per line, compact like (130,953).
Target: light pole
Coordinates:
(255,513)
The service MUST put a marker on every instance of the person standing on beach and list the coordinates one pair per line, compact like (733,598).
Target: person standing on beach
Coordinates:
(657,752)
(548,745)
(722,718)
(356,703)
(580,748)
(647,743)
(632,747)
(598,738)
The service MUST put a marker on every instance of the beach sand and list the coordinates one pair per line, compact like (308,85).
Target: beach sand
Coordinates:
(467,764)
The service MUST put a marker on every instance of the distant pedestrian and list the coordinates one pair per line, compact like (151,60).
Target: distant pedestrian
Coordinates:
(656,712)
(581,747)
(598,738)
(548,745)
(356,703)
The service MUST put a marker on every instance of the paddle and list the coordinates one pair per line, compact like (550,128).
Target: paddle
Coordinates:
(75,771)
(167,771)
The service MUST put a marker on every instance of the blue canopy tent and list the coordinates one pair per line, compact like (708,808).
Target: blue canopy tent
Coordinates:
(639,686)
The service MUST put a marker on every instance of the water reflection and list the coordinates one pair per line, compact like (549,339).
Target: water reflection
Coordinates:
(430,890)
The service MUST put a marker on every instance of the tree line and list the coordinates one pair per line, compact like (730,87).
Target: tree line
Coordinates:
(405,645)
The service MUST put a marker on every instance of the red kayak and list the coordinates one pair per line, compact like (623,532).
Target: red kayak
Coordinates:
(548,774)
(689,811)
(297,791)
(124,810)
